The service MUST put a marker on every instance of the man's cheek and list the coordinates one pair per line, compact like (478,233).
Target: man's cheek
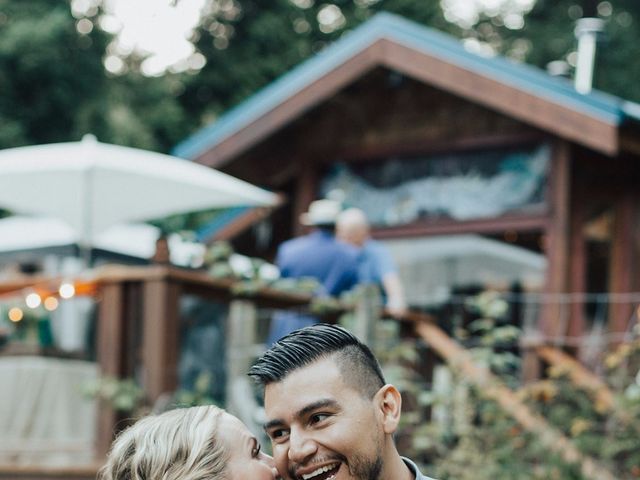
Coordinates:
(280,460)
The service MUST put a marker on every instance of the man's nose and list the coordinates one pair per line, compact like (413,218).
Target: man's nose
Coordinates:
(301,447)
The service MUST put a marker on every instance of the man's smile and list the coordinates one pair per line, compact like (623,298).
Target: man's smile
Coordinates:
(324,472)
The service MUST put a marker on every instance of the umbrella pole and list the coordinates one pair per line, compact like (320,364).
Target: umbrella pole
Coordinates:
(86,255)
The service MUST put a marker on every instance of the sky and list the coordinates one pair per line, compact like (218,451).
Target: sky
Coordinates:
(155,27)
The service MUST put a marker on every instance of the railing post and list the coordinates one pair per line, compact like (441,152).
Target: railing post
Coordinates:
(367,313)
(241,333)
(110,344)
(160,336)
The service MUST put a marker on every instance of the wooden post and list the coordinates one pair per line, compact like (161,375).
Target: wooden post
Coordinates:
(241,340)
(110,336)
(305,193)
(578,264)
(160,337)
(557,241)
(622,262)
(554,318)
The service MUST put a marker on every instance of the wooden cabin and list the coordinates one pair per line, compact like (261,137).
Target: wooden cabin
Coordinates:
(442,146)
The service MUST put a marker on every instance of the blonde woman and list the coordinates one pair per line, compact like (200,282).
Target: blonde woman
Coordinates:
(198,443)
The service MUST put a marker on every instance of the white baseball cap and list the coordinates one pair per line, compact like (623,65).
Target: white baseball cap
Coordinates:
(321,212)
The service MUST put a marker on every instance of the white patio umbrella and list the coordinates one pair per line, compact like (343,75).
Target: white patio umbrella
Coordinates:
(92,185)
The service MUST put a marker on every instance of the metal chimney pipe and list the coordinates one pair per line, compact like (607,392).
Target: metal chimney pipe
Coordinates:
(587,32)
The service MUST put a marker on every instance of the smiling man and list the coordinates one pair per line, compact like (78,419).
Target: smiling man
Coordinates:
(330,414)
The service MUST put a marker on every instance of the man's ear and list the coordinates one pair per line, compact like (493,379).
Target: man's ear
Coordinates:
(389,405)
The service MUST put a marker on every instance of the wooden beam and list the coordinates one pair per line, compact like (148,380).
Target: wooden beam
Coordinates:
(24,472)
(579,375)
(425,148)
(554,320)
(306,189)
(538,111)
(239,225)
(492,388)
(532,109)
(623,260)
(292,107)
(578,263)
(520,223)
(160,338)
(110,354)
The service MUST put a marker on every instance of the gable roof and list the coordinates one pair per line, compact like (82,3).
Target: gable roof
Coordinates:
(517,90)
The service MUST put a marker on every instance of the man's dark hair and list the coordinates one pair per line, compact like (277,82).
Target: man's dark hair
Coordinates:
(300,348)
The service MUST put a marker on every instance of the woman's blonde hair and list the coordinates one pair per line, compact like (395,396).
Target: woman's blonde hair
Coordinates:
(176,445)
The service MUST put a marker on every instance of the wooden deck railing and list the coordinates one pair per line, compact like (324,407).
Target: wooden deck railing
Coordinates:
(138,331)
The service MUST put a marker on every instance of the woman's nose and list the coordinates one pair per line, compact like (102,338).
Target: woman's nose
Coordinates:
(267,460)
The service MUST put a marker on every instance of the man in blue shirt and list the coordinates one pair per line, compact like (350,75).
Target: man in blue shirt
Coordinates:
(319,255)
(375,265)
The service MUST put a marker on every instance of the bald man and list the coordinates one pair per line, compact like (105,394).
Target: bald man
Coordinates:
(375,263)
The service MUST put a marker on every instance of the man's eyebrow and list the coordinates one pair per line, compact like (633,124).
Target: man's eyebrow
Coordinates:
(273,424)
(323,403)
(304,411)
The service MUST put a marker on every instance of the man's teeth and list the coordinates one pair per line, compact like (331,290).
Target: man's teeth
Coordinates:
(318,471)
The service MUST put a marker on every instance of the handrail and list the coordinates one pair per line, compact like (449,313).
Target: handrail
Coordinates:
(491,387)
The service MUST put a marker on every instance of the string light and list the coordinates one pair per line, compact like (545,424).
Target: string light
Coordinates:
(51,303)
(67,290)
(33,300)
(15,314)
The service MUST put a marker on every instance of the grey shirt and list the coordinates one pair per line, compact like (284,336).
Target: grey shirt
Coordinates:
(412,466)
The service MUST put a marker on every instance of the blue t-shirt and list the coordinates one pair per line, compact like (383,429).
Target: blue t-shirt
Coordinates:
(374,263)
(319,255)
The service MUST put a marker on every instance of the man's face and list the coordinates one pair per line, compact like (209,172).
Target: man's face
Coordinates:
(355,235)
(321,428)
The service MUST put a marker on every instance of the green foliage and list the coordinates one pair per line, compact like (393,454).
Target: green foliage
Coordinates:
(250,43)
(548,35)
(54,86)
(200,395)
(127,397)
(249,282)
(124,395)
(477,440)
(48,71)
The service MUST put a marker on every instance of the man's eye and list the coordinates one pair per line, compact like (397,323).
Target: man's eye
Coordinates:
(318,417)
(278,434)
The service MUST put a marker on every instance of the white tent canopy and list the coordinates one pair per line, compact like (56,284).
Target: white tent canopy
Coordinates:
(137,240)
(430,267)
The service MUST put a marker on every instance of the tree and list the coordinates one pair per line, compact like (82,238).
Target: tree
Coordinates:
(250,43)
(55,88)
(548,35)
(49,71)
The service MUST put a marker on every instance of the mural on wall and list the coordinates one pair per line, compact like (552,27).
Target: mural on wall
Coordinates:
(466,186)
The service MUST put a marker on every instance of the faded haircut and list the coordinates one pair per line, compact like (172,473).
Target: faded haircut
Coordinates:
(357,364)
